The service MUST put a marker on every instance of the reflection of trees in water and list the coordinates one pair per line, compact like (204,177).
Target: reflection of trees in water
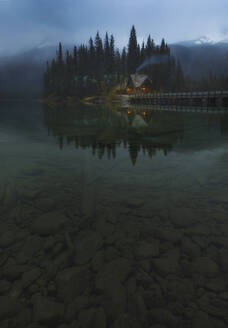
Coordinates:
(224,125)
(219,122)
(105,130)
(109,150)
(148,149)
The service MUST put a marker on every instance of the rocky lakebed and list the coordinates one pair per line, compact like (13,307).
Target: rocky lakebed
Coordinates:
(138,265)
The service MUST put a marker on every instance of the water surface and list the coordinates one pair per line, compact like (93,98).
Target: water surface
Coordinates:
(113,217)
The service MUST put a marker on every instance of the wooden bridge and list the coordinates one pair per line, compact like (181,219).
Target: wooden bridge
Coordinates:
(202,99)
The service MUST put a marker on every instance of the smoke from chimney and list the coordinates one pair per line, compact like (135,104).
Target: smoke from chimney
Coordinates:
(155,59)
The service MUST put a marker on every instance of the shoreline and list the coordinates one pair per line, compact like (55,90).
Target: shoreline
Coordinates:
(90,100)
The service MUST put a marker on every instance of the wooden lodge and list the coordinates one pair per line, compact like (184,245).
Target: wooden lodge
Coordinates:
(138,82)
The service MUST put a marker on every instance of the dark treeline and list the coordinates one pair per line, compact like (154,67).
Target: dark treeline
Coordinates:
(97,66)
(90,68)
(209,82)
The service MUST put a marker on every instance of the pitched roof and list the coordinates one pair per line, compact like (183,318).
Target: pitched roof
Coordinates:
(139,79)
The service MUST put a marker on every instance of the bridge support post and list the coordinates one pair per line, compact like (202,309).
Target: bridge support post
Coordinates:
(204,102)
(219,101)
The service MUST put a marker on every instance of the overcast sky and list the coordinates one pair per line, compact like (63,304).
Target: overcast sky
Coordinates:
(28,23)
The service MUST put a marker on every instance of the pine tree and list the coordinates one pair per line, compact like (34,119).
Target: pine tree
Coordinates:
(47,80)
(150,47)
(124,62)
(138,55)
(60,55)
(92,58)
(54,76)
(132,58)
(69,74)
(117,66)
(112,55)
(99,56)
(167,49)
(162,47)
(75,61)
(142,53)
(60,71)
(106,54)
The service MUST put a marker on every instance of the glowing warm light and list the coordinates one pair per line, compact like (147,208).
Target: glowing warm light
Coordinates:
(143,89)
(144,113)
(128,89)
(129,112)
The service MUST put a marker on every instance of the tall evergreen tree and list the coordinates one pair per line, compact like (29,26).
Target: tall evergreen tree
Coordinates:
(75,61)
(60,55)
(124,62)
(60,70)
(99,55)
(133,55)
(92,57)
(167,49)
(117,67)
(150,47)
(69,74)
(106,53)
(47,80)
(162,47)
(142,53)
(112,55)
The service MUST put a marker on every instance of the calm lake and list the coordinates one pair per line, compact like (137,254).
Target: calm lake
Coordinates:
(113,217)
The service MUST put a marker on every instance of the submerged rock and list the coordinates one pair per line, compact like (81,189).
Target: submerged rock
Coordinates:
(125,321)
(99,318)
(167,264)
(32,246)
(206,267)
(47,311)
(147,249)
(49,223)
(119,269)
(7,238)
(115,295)
(4,286)
(9,307)
(72,282)
(182,217)
(86,246)
(30,276)
(80,303)
(164,317)
(12,270)
(85,318)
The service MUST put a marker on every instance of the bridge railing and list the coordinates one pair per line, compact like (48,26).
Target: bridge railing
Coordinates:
(179,94)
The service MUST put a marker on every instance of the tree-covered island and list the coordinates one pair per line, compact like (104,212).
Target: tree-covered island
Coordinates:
(99,68)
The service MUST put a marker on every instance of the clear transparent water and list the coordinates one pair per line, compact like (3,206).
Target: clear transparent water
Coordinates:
(111,221)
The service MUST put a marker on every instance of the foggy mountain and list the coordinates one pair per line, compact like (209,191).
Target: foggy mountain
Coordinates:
(21,75)
(198,58)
